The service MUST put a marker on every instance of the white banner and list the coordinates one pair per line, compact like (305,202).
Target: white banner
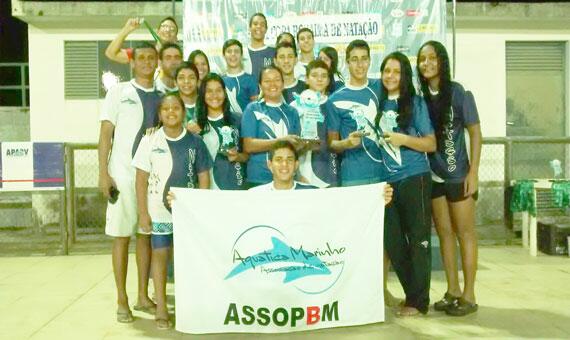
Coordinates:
(278,261)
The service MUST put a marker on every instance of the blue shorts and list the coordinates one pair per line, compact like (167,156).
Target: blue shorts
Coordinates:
(161,241)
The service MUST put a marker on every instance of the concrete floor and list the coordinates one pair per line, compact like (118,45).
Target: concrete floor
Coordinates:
(72,297)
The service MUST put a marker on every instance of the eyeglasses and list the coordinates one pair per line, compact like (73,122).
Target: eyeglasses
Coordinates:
(167,28)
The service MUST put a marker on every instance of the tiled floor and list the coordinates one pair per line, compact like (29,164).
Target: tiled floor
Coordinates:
(73,298)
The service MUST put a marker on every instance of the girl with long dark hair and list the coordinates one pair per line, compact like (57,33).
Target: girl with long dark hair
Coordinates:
(330,56)
(405,134)
(219,128)
(454,174)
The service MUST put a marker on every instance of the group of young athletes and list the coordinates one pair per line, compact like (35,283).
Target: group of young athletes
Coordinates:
(241,130)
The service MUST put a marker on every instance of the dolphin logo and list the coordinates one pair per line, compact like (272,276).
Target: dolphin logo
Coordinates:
(366,112)
(278,129)
(389,123)
(304,262)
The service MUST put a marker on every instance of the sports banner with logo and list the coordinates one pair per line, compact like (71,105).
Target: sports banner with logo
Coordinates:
(278,261)
(28,166)
(387,25)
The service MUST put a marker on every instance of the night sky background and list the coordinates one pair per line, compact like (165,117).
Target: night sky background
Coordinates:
(13,35)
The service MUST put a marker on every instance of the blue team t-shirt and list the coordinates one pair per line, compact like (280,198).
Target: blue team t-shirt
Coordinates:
(297,87)
(224,175)
(403,162)
(170,162)
(266,121)
(260,58)
(239,89)
(451,162)
(362,164)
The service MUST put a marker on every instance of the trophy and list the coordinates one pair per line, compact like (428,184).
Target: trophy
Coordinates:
(357,114)
(228,140)
(309,107)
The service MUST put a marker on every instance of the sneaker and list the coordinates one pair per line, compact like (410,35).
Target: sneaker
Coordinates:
(443,304)
(461,307)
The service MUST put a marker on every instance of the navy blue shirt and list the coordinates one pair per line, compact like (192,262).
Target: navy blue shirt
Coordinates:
(297,87)
(320,167)
(451,162)
(240,88)
(362,164)
(150,101)
(266,121)
(403,162)
(260,58)
(224,175)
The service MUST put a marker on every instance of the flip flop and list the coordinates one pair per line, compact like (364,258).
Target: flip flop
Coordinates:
(125,317)
(163,324)
(151,309)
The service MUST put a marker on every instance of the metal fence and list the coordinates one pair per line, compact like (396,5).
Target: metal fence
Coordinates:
(37,217)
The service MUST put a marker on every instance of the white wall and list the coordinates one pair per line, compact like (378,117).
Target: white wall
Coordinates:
(52,118)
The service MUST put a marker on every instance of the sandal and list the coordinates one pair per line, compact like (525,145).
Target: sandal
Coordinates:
(447,301)
(125,316)
(461,307)
(163,324)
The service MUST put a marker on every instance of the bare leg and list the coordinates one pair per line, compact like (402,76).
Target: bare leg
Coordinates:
(159,267)
(143,254)
(463,216)
(120,264)
(447,243)
(389,299)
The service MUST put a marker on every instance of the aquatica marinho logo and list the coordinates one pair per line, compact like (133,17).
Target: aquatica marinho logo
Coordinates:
(266,252)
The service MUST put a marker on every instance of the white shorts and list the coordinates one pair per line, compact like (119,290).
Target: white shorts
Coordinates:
(122,216)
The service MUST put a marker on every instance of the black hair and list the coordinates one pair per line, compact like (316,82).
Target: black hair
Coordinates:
(357,44)
(407,91)
(439,107)
(168,19)
(231,42)
(267,68)
(281,35)
(317,63)
(333,69)
(163,99)
(196,53)
(305,29)
(283,144)
(201,110)
(258,14)
(285,45)
(142,45)
(166,46)
(187,65)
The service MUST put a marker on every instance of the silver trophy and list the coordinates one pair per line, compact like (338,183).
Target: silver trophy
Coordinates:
(228,140)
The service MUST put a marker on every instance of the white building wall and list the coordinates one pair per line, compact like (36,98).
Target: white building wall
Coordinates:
(52,118)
